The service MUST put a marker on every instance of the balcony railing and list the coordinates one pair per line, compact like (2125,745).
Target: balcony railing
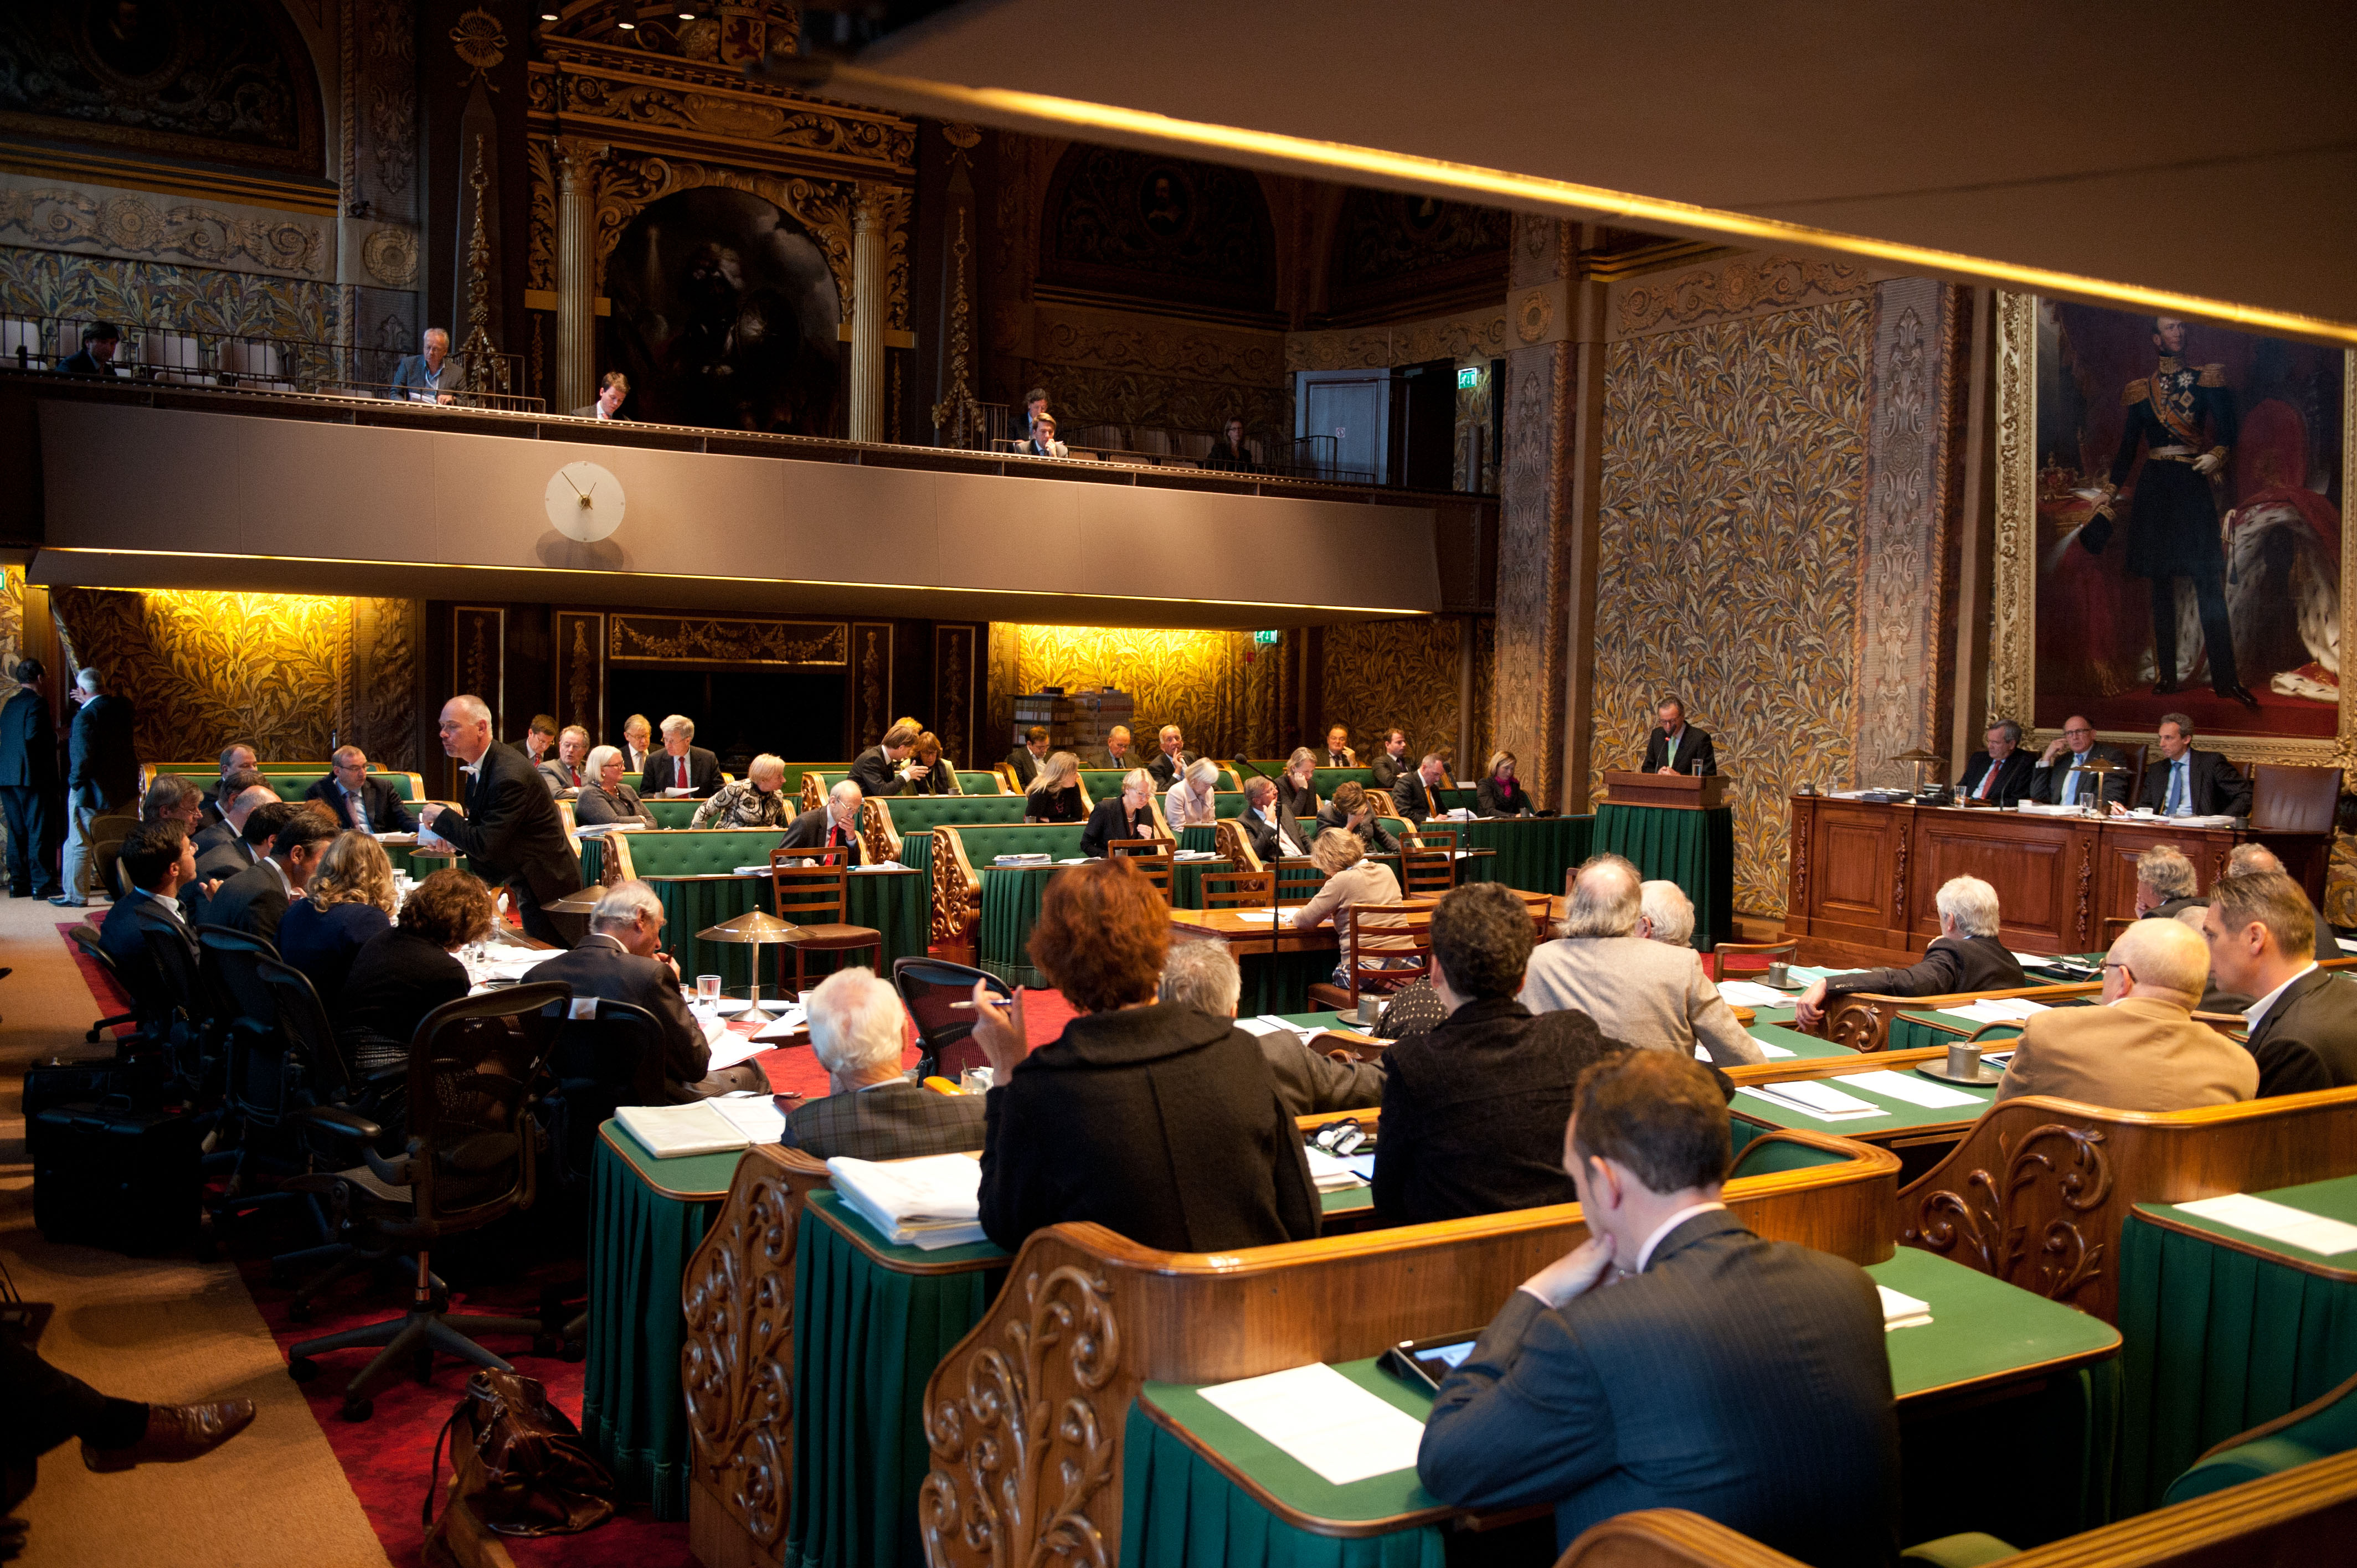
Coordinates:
(999,427)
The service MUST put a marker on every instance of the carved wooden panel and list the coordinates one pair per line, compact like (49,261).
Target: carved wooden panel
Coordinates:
(719,642)
(2032,866)
(581,672)
(954,692)
(1855,868)
(869,711)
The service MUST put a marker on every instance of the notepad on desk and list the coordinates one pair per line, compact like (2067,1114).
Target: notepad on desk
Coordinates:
(2277,1223)
(1324,1419)
(1332,1174)
(1751,993)
(1912,1089)
(1814,1098)
(931,1203)
(675,1132)
(1997,1010)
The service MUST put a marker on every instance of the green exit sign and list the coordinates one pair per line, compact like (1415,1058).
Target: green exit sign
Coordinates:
(1264,638)
(1469,377)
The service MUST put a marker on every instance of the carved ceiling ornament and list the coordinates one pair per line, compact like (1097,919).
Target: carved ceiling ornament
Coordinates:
(630,182)
(1742,285)
(2013,635)
(773,123)
(1534,316)
(391,257)
(480,44)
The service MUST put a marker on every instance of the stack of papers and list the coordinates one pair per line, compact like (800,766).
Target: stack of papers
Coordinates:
(931,1203)
(880,865)
(674,1131)
(1022,860)
(1195,854)
(1331,1174)
(2278,1222)
(1998,1010)
(2032,809)
(730,1048)
(1912,1089)
(1815,1098)
(1902,1311)
(1751,993)
(1324,1419)
(755,1115)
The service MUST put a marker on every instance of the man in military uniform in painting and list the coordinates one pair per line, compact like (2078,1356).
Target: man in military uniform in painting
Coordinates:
(2183,415)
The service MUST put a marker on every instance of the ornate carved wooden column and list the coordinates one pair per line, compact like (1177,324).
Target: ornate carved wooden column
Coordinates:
(871,214)
(576,381)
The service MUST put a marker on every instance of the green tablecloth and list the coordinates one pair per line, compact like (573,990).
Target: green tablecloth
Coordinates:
(2219,1340)
(1010,908)
(1693,848)
(867,1338)
(1533,852)
(632,1413)
(896,903)
(1179,1511)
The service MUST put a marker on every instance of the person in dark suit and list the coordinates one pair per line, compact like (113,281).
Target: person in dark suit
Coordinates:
(835,825)
(99,341)
(562,772)
(1128,815)
(1024,761)
(1391,763)
(254,818)
(1203,975)
(637,738)
(2190,783)
(2165,883)
(1297,787)
(1967,955)
(1999,773)
(1743,1380)
(607,405)
(402,974)
(1473,1109)
(679,764)
(2303,1027)
(1118,748)
(2058,779)
(348,902)
(358,801)
(1499,793)
(1676,747)
(509,825)
(1155,1120)
(871,1112)
(1273,832)
(427,376)
(1338,752)
(237,758)
(103,776)
(1232,453)
(160,861)
(1416,795)
(884,768)
(255,899)
(1173,758)
(28,784)
(622,959)
(1352,808)
(46,1406)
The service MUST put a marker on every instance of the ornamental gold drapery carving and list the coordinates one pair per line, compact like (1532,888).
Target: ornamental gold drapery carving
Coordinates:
(630,181)
(1742,285)
(123,224)
(719,639)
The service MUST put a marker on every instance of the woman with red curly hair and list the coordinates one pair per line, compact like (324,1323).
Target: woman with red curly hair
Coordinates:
(1156,1121)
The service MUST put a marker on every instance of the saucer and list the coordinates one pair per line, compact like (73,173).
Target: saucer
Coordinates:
(1987,1079)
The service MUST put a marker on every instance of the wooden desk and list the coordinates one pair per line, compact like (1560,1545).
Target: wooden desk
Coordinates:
(1861,877)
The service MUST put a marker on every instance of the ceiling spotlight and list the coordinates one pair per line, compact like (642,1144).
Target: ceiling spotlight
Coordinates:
(687,16)
(548,16)
(627,26)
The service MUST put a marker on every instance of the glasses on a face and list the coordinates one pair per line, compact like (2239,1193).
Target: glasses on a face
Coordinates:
(2078,731)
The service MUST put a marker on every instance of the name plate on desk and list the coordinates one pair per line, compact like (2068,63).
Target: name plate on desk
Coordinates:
(1678,791)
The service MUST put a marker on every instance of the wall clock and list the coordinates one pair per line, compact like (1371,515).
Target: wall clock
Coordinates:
(584,502)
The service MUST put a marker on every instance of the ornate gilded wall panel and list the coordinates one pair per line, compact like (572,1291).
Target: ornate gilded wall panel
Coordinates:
(953,694)
(104,221)
(1113,367)
(1743,286)
(479,658)
(12,627)
(1469,334)
(387,637)
(581,669)
(207,299)
(707,641)
(1209,683)
(871,682)
(1158,228)
(629,182)
(204,668)
(1380,673)
(1733,489)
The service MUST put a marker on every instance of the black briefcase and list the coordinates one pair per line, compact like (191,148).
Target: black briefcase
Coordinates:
(112,1175)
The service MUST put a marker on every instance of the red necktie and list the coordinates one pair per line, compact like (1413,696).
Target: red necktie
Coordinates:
(1987,780)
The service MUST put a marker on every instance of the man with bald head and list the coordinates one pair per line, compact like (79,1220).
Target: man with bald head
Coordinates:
(508,825)
(2142,1049)
(835,825)
(2060,780)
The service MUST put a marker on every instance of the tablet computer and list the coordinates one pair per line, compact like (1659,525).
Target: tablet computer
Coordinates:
(1424,1362)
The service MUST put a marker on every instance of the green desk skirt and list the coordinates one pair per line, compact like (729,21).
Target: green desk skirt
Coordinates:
(894,903)
(1693,848)
(867,1338)
(2219,1341)
(633,1416)
(1533,852)
(1010,908)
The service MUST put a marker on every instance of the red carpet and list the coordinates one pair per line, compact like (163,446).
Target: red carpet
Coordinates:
(385,1458)
(111,997)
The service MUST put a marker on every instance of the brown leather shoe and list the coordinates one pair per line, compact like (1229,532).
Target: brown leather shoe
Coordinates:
(176,1432)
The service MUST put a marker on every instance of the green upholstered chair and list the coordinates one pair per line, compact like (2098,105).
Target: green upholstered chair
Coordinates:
(2318,1430)
(900,827)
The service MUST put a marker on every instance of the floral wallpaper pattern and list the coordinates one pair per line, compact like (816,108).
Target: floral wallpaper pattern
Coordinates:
(1732,500)
(1383,672)
(1214,685)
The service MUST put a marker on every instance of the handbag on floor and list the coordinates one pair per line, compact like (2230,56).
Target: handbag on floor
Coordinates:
(537,1479)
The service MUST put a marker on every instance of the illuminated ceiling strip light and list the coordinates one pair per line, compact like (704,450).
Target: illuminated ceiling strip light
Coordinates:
(1033,110)
(691,578)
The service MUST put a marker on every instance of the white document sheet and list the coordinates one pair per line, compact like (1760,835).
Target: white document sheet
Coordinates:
(1260,916)
(1901,1311)
(1331,1174)
(1326,1421)
(880,865)
(2030,959)
(789,1020)
(931,1202)
(1915,1089)
(2347,945)
(1997,1010)
(1751,993)
(1770,1048)
(733,1049)
(755,1115)
(1774,1096)
(2278,1222)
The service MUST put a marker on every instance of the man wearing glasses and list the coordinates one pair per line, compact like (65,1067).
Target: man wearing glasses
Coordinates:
(358,801)
(2058,779)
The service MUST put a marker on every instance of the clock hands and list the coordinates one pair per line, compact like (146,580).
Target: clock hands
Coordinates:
(576,488)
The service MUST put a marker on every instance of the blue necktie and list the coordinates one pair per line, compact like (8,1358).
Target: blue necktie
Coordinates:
(2071,785)
(2176,787)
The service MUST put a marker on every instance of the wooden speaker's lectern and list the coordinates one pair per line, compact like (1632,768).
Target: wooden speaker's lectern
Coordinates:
(1678,791)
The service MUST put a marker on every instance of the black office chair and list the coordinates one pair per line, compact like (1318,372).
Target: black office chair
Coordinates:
(471,1158)
(141,1014)
(930,989)
(610,1060)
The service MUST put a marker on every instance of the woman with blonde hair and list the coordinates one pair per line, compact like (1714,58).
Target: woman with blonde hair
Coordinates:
(1054,793)
(1351,879)
(1296,796)
(1193,800)
(349,900)
(1499,793)
(757,800)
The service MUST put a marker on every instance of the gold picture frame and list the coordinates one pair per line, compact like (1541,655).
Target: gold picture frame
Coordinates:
(2013,635)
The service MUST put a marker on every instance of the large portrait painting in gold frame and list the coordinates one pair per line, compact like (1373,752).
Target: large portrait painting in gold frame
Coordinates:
(2170,496)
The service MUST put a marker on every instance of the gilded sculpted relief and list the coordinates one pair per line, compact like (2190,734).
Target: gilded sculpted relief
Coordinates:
(1734,472)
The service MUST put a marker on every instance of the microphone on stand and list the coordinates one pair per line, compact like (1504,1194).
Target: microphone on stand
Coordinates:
(1245,764)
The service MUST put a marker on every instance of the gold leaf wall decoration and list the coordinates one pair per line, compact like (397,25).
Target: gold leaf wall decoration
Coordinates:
(1734,476)
(1200,680)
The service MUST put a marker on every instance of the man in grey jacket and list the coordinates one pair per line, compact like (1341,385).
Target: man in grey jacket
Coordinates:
(1649,993)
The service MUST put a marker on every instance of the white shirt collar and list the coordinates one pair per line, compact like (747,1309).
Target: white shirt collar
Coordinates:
(1645,1253)
(279,871)
(604,937)
(2258,1010)
(167,900)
